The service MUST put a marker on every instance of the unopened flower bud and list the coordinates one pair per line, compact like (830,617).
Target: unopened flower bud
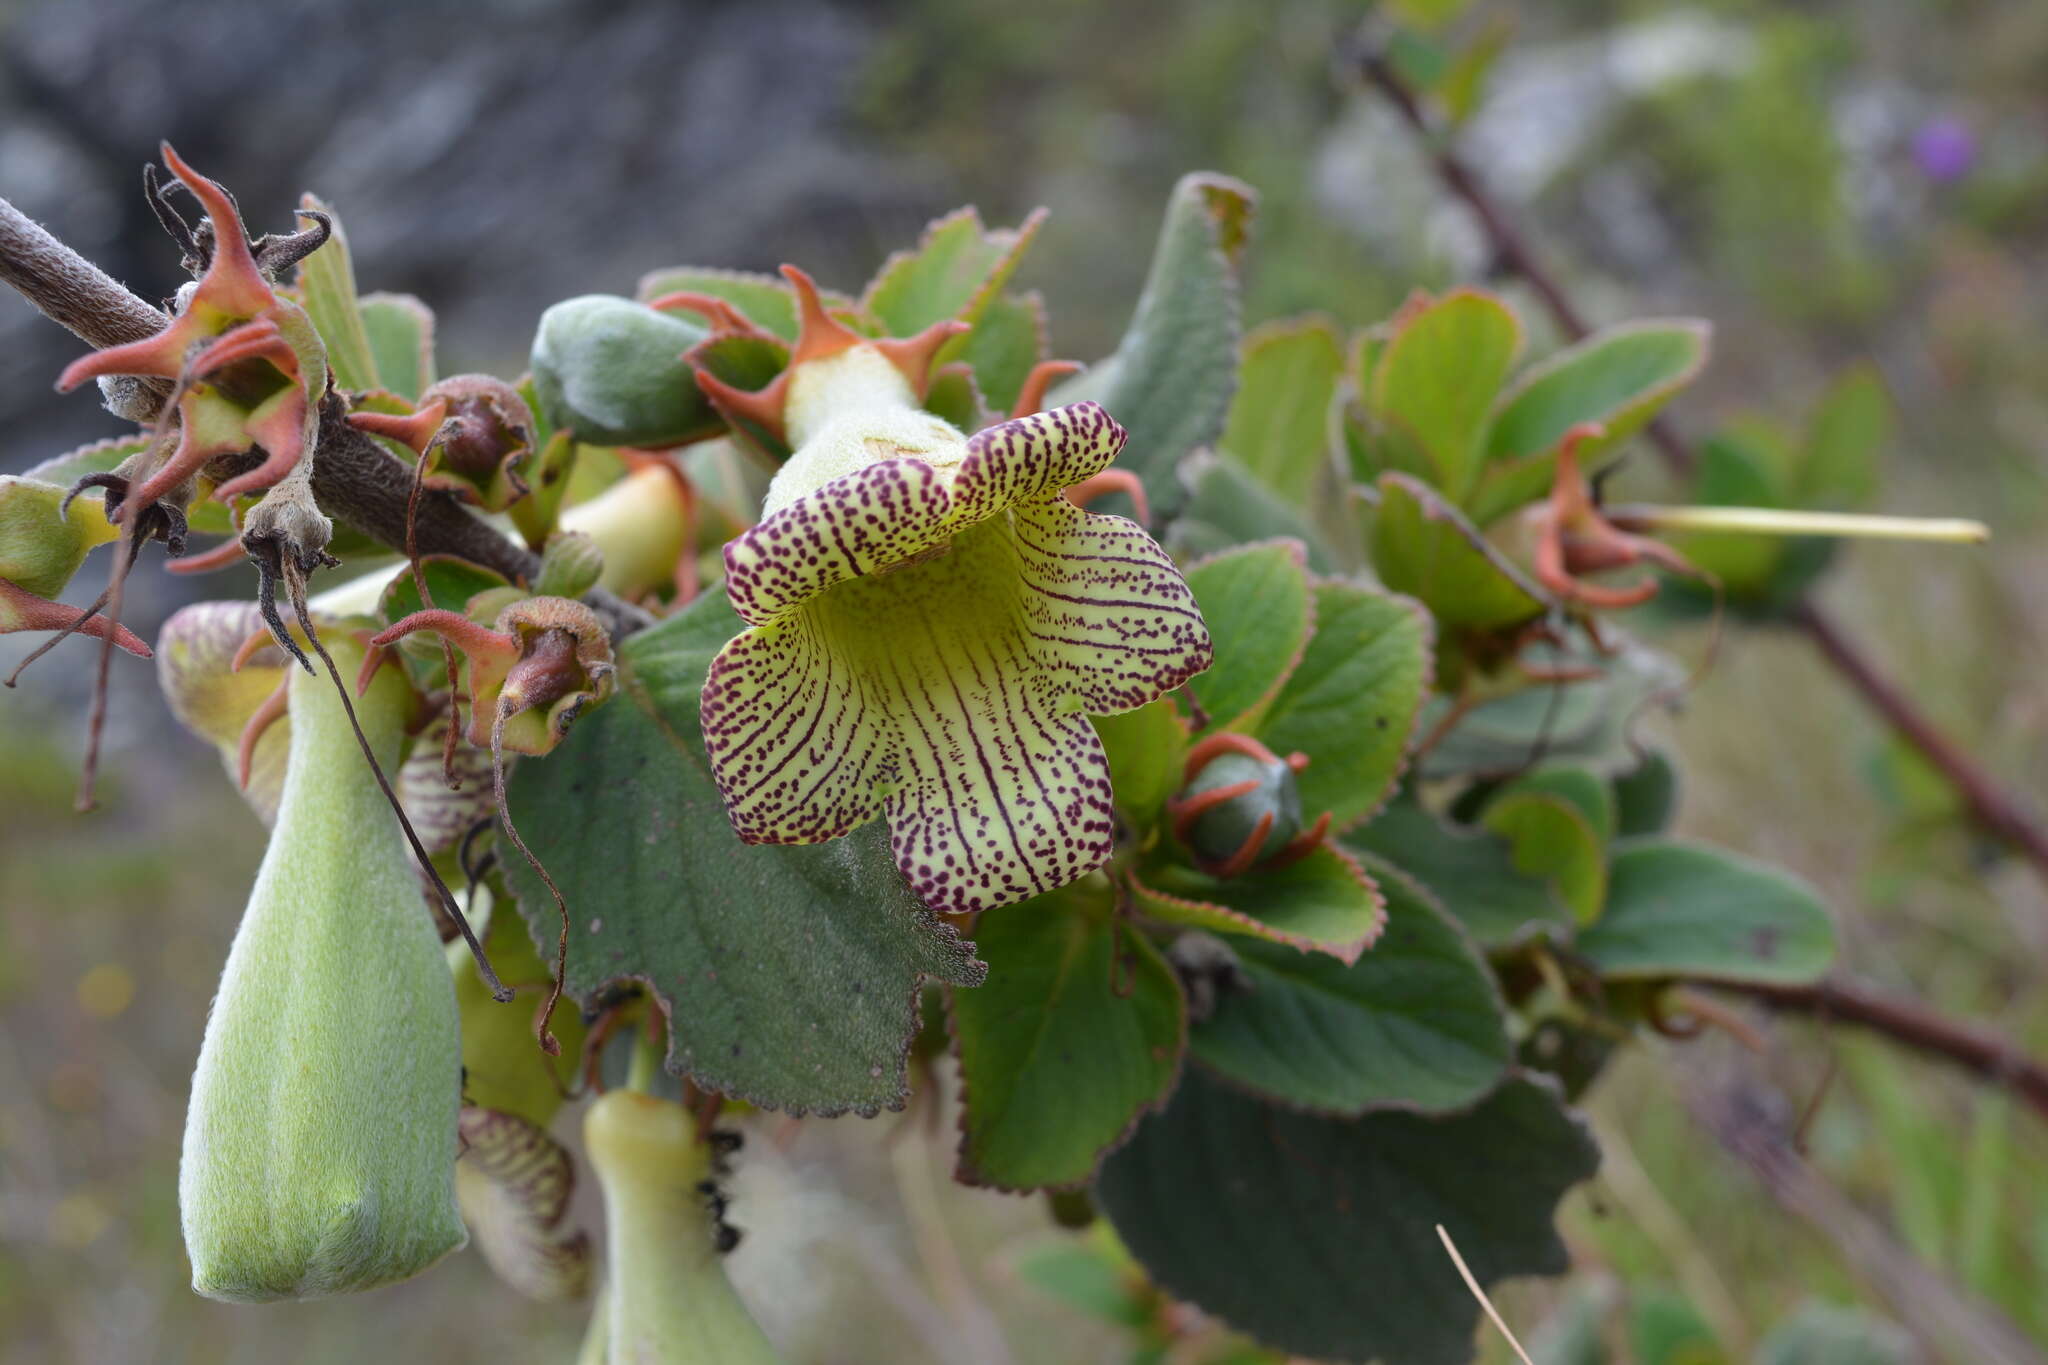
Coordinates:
(321,1139)
(666,1295)
(570,566)
(1241,807)
(612,371)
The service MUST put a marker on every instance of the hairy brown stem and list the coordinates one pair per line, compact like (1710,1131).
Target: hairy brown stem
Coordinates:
(354,478)
(1914,1025)
(1994,809)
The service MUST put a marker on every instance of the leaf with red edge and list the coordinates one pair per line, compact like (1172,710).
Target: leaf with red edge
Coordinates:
(957,267)
(1323,902)
(1261,613)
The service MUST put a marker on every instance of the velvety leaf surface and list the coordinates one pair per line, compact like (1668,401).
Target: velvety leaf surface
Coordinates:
(1279,423)
(204,516)
(765,299)
(1078,1029)
(1683,909)
(1436,380)
(790,974)
(401,332)
(1227,506)
(1006,342)
(1352,701)
(1471,872)
(1619,376)
(1324,903)
(1416,1023)
(1646,796)
(326,282)
(1318,1235)
(1260,610)
(1588,722)
(955,269)
(1424,547)
(1171,379)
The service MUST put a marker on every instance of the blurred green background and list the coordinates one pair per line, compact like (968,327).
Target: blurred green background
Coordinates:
(1829,183)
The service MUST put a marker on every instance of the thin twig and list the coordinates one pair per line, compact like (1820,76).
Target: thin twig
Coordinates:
(1993,808)
(1908,1022)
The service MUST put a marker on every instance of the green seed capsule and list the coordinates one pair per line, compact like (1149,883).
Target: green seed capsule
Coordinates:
(321,1140)
(666,1297)
(612,371)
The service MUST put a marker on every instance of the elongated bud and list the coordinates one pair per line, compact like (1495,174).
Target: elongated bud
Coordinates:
(666,1296)
(612,371)
(321,1140)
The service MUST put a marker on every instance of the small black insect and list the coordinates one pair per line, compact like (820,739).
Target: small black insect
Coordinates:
(724,1235)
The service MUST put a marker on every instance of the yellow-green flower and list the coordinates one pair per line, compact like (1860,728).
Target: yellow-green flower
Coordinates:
(932,624)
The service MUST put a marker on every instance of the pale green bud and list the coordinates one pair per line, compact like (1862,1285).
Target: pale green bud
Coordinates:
(321,1140)
(667,1300)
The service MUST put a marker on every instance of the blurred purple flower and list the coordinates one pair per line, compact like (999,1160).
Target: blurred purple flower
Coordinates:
(1945,149)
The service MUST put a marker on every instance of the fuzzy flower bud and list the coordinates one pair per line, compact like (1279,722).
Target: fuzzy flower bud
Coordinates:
(321,1140)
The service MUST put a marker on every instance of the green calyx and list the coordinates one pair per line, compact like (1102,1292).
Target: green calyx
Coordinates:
(42,542)
(320,1143)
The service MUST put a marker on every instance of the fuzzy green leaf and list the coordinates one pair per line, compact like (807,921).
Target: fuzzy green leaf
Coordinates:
(1318,1235)
(1683,909)
(1424,547)
(1260,611)
(1280,420)
(1646,796)
(1437,379)
(1170,381)
(957,267)
(790,975)
(401,332)
(1417,1023)
(1471,872)
(1589,722)
(1009,339)
(1077,1031)
(1227,506)
(1553,840)
(1352,702)
(765,299)
(204,516)
(1619,376)
(1324,902)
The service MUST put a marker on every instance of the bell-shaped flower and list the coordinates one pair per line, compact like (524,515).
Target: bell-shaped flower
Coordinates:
(933,621)
(249,365)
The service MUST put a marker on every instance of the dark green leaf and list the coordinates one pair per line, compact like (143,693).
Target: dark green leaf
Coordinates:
(1436,381)
(1352,702)
(452,582)
(326,282)
(1619,376)
(1318,1235)
(1260,612)
(1417,1023)
(1077,1031)
(1646,796)
(790,975)
(401,332)
(1577,787)
(1424,547)
(1681,909)
(1470,871)
(1590,722)
(1171,378)
(1280,420)
(1323,903)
